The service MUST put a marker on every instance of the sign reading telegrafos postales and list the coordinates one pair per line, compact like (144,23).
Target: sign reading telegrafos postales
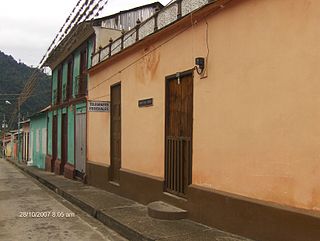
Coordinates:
(99,106)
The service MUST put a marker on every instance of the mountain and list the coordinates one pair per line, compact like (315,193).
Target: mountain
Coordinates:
(13,77)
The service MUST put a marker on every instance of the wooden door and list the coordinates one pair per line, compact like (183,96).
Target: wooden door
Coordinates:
(178,143)
(115,128)
(64,142)
(83,73)
(54,142)
(80,163)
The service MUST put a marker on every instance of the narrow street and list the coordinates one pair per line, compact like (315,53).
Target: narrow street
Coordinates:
(29,211)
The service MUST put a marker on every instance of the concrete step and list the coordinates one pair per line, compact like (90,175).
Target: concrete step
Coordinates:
(165,211)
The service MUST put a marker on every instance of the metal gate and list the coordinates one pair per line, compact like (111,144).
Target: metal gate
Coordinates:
(80,160)
(178,158)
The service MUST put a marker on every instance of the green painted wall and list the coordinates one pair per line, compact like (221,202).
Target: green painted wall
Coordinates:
(50,133)
(54,83)
(81,107)
(76,72)
(38,128)
(64,80)
(90,51)
(64,110)
(59,133)
(71,135)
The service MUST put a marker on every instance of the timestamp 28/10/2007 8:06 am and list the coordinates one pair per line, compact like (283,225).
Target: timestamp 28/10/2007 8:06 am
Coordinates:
(46,214)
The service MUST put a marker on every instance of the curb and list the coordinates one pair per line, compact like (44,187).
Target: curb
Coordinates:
(98,214)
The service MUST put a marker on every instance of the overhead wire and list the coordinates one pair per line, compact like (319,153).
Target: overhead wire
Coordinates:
(83,16)
(159,46)
(62,27)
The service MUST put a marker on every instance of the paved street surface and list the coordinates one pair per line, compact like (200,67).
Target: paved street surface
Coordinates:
(29,211)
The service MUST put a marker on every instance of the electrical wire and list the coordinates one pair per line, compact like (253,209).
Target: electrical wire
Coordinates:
(146,54)
(138,59)
(79,16)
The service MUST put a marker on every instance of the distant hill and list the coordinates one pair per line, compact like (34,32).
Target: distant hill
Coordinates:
(13,76)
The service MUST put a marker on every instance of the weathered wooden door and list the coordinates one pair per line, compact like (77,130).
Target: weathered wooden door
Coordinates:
(54,142)
(178,143)
(115,133)
(83,72)
(80,163)
(64,142)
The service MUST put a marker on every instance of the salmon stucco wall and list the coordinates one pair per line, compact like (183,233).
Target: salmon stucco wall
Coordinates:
(256,112)
(142,128)
(255,117)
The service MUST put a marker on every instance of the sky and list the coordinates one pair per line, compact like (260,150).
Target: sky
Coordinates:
(27,27)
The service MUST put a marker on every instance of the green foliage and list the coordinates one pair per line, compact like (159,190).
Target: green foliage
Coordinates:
(13,77)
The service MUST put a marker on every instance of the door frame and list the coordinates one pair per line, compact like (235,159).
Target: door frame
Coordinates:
(64,138)
(77,172)
(54,141)
(110,167)
(168,78)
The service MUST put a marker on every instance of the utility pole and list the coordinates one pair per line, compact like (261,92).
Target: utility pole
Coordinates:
(18,129)
(3,134)
(4,129)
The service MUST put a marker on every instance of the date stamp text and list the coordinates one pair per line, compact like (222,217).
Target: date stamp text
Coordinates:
(46,214)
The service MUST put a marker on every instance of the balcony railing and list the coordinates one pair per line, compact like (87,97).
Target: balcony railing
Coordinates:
(81,83)
(159,20)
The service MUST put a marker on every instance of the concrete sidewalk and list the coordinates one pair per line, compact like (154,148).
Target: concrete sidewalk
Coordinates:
(128,218)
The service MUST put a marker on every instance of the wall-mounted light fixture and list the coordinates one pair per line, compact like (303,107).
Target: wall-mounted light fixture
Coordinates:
(199,65)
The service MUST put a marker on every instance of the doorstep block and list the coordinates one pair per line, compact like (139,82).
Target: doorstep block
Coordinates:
(69,171)
(57,167)
(48,164)
(165,211)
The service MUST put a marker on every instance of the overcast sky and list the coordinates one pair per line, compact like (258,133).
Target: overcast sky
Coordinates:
(27,27)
